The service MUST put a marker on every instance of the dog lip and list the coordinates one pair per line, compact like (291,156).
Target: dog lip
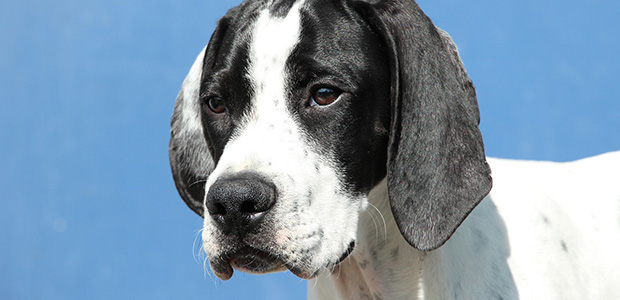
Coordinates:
(221,268)
(255,261)
(303,274)
(347,253)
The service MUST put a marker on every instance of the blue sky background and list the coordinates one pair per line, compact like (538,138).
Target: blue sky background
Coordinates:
(88,208)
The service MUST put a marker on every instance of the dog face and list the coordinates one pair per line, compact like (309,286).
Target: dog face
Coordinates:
(294,112)
(287,106)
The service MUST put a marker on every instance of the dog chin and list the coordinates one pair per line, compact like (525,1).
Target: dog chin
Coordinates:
(247,260)
(255,264)
(255,261)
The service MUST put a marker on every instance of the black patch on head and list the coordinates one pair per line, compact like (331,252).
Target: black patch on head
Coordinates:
(224,75)
(338,50)
(193,152)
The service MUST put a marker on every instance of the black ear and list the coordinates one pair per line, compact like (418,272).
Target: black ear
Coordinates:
(190,159)
(437,171)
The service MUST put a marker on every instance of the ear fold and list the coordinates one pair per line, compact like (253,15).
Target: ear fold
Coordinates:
(437,170)
(190,159)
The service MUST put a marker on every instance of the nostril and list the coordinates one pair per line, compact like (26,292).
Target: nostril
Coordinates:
(218,213)
(248,207)
(218,209)
(252,210)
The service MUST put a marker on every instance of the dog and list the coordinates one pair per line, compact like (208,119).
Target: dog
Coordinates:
(339,140)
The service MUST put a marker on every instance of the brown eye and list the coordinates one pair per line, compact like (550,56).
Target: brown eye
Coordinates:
(216,105)
(325,96)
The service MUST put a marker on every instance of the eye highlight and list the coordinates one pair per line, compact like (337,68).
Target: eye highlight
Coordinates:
(324,96)
(216,105)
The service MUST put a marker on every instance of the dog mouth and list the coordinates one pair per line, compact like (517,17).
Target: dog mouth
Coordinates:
(248,260)
(254,261)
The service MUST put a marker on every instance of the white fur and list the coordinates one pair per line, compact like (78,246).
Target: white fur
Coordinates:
(546,231)
(190,90)
(271,142)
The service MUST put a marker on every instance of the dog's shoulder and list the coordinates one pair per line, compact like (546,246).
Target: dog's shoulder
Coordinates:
(586,191)
(562,224)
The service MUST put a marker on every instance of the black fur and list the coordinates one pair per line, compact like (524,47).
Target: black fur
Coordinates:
(355,128)
(437,170)
(190,160)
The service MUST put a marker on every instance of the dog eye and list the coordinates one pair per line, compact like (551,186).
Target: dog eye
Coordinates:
(216,105)
(325,96)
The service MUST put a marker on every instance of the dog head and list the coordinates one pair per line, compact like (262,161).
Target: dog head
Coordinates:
(296,109)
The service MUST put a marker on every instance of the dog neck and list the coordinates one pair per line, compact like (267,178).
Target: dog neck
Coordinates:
(384,266)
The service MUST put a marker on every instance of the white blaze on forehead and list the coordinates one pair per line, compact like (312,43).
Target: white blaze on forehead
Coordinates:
(273,42)
(268,130)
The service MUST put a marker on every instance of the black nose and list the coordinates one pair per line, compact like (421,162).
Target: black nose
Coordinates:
(240,203)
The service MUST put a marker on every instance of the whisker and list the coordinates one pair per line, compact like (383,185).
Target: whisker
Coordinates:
(316,281)
(339,270)
(206,270)
(197,253)
(374,221)
(384,223)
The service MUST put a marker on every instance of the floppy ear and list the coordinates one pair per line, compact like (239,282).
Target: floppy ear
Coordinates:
(437,171)
(190,159)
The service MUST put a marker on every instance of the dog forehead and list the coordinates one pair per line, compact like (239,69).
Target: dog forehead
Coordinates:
(306,42)
(273,40)
(264,41)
